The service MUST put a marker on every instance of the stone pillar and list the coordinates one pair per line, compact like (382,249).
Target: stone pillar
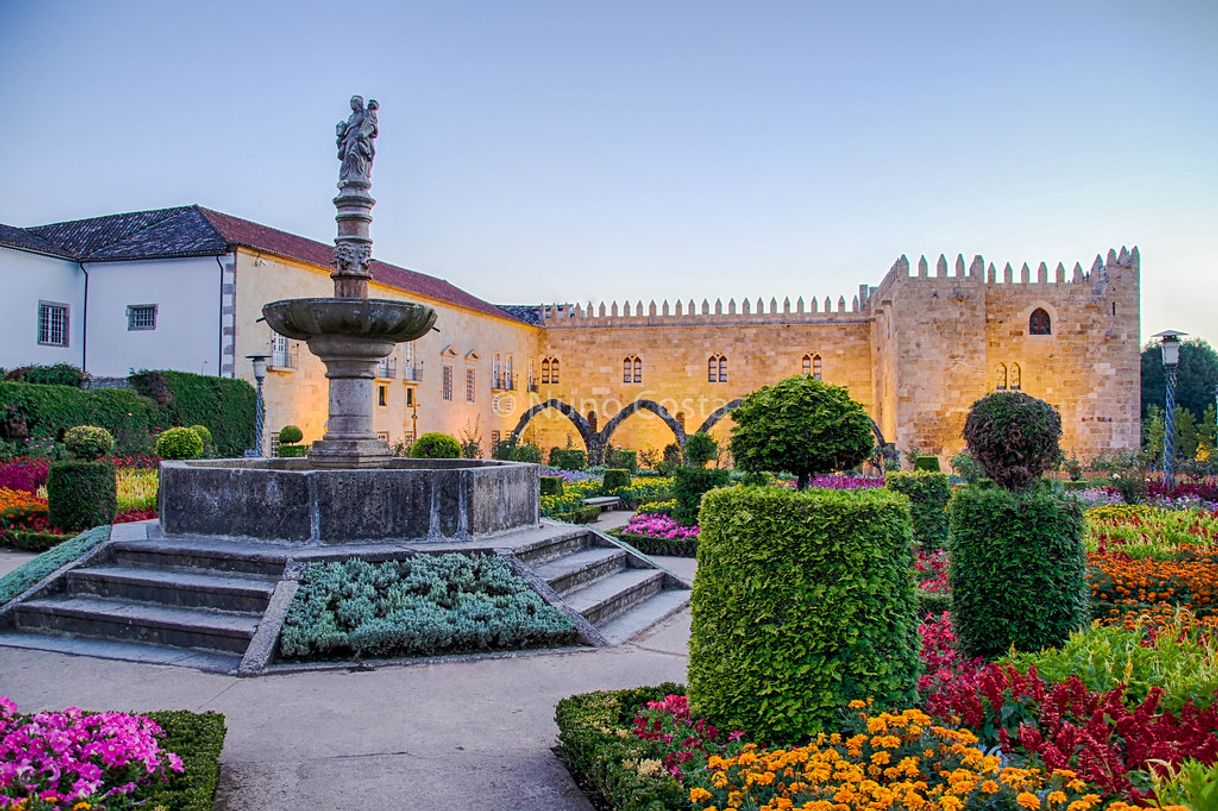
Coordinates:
(353,245)
(350,441)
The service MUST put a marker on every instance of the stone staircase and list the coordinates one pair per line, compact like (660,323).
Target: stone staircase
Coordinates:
(618,593)
(141,595)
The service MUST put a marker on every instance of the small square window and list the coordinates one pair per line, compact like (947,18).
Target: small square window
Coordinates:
(52,324)
(141,317)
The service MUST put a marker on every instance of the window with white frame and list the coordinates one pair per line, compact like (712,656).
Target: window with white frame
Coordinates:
(52,323)
(448,382)
(141,317)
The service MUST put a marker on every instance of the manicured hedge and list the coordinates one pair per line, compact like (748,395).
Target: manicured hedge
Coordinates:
(804,601)
(1017,569)
(927,463)
(436,445)
(928,494)
(688,487)
(622,458)
(551,485)
(197,738)
(32,571)
(31,541)
(46,412)
(568,459)
(615,478)
(224,406)
(81,494)
(674,547)
(580,515)
(594,743)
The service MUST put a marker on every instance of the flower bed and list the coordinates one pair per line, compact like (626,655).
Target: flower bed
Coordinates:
(424,605)
(656,534)
(137,488)
(77,760)
(1149,532)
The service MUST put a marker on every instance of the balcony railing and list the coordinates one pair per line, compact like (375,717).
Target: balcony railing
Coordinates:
(503,382)
(412,371)
(288,358)
(532,385)
(387,368)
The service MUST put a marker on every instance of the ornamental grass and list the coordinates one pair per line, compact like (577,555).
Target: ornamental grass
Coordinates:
(137,488)
(1149,532)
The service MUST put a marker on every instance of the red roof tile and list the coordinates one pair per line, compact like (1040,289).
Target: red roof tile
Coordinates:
(271,240)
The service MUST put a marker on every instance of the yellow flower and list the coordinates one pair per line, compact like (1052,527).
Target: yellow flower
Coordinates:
(951,804)
(699,795)
(1028,800)
(857,704)
(989,787)
(1057,797)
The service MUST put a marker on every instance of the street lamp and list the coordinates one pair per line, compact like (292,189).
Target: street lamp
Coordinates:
(259,362)
(1169,345)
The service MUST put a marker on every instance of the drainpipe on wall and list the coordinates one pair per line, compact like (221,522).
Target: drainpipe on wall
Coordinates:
(84,323)
(220,331)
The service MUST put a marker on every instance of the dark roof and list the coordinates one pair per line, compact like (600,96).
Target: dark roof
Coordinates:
(26,240)
(528,313)
(182,231)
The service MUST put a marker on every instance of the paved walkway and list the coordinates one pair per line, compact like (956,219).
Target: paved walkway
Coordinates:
(10,560)
(454,736)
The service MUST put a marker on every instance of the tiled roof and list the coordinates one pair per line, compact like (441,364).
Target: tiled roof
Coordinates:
(21,238)
(271,240)
(528,313)
(196,231)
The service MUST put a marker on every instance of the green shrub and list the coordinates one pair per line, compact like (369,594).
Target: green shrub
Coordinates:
(666,507)
(290,434)
(568,458)
(551,485)
(225,406)
(32,571)
(436,445)
(803,426)
(32,411)
(31,541)
(1017,568)
(754,478)
(179,443)
(59,374)
(928,496)
(933,603)
(88,442)
(1191,784)
(622,458)
(424,605)
(1014,437)
(509,450)
(643,489)
(292,451)
(583,514)
(197,738)
(672,459)
(1180,660)
(615,478)
(700,449)
(1074,486)
(803,602)
(689,485)
(595,743)
(209,447)
(966,467)
(927,463)
(81,494)
(672,547)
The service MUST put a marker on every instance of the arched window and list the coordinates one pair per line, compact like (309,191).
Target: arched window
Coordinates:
(716,369)
(1038,323)
(553,370)
(722,369)
(545,371)
(1016,377)
(807,365)
(817,368)
(632,369)
(1001,383)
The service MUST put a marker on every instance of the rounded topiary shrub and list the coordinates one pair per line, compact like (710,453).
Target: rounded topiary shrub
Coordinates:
(1014,437)
(800,425)
(689,485)
(1017,569)
(204,434)
(927,462)
(88,442)
(568,458)
(551,486)
(615,478)
(179,443)
(804,601)
(290,435)
(81,494)
(928,496)
(700,449)
(436,445)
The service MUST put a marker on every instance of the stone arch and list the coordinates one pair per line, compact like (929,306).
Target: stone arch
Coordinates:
(639,405)
(581,424)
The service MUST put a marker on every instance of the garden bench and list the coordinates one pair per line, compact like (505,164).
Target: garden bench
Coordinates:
(604,502)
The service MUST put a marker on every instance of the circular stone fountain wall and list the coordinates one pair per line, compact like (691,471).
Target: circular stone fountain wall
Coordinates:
(287,500)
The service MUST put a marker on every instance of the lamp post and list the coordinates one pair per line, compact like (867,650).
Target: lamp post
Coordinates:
(259,362)
(1169,345)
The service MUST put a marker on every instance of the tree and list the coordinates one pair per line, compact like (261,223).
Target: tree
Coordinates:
(1196,377)
(700,449)
(800,425)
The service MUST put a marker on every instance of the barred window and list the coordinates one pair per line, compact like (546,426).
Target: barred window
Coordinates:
(448,382)
(470,385)
(52,324)
(141,317)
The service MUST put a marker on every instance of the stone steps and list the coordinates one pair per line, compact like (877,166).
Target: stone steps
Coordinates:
(570,572)
(176,587)
(604,599)
(202,554)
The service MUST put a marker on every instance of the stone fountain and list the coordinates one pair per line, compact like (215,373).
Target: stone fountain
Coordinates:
(350,488)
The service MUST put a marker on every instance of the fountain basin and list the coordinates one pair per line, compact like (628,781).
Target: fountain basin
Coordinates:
(292,501)
(379,320)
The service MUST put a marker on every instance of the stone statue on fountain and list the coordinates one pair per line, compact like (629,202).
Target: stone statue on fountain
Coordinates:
(355,136)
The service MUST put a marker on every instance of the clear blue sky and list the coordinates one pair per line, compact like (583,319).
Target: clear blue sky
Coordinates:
(574,150)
